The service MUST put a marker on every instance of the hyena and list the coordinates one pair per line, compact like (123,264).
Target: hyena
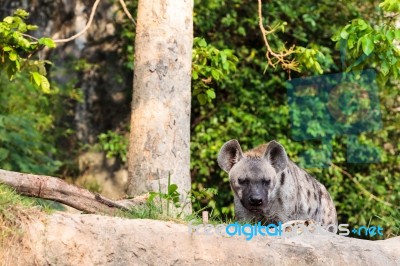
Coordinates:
(270,188)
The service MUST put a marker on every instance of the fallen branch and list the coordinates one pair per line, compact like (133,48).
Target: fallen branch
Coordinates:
(52,188)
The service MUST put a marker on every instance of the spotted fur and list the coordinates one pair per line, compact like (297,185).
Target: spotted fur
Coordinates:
(269,187)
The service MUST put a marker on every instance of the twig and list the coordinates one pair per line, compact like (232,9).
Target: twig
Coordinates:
(92,13)
(29,36)
(280,58)
(363,189)
(127,11)
(84,29)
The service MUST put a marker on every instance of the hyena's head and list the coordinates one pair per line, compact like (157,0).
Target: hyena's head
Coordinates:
(253,176)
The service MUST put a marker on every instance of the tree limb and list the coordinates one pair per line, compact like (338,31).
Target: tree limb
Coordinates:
(52,188)
(85,28)
(275,58)
(127,11)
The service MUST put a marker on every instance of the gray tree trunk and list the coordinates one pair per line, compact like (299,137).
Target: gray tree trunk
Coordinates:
(160,119)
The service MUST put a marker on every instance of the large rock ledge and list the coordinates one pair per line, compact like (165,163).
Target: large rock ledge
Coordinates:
(76,239)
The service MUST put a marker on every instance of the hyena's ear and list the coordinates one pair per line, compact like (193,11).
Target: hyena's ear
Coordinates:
(276,155)
(229,155)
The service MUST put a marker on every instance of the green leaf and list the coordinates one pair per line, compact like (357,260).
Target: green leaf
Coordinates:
(390,35)
(215,74)
(21,13)
(172,188)
(3,154)
(13,56)
(151,197)
(362,24)
(22,27)
(344,34)
(195,75)
(44,84)
(318,68)
(37,78)
(196,91)
(241,31)
(385,68)
(211,93)
(367,45)
(202,43)
(47,42)
(32,27)
(8,20)
(397,34)
(202,98)
(390,5)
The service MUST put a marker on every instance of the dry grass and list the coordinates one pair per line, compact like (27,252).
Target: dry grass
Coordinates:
(15,215)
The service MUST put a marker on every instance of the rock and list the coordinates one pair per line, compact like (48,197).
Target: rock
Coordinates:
(77,239)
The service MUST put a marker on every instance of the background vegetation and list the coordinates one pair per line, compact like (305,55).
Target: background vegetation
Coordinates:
(254,108)
(236,95)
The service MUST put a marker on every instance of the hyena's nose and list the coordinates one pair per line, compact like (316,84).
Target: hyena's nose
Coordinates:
(255,200)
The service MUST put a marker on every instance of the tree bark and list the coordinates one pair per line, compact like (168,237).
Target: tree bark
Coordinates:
(160,119)
(52,188)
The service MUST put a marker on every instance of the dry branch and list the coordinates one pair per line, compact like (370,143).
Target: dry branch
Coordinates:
(52,188)
(275,58)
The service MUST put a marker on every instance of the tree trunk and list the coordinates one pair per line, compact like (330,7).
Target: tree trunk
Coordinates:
(160,119)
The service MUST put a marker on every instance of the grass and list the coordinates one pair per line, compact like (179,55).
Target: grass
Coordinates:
(15,212)
(392,222)
(15,209)
(151,211)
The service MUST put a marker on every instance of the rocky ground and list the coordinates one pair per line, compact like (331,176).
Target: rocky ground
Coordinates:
(79,239)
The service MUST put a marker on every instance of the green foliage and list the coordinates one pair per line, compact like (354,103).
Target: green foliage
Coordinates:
(114,145)
(26,142)
(203,195)
(30,112)
(170,197)
(17,48)
(390,5)
(367,45)
(209,64)
(145,211)
(253,108)
(8,197)
(308,59)
(238,101)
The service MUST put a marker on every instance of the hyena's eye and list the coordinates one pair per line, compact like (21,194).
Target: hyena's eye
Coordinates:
(266,182)
(243,181)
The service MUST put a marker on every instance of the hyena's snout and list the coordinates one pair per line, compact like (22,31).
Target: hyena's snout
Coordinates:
(255,200)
